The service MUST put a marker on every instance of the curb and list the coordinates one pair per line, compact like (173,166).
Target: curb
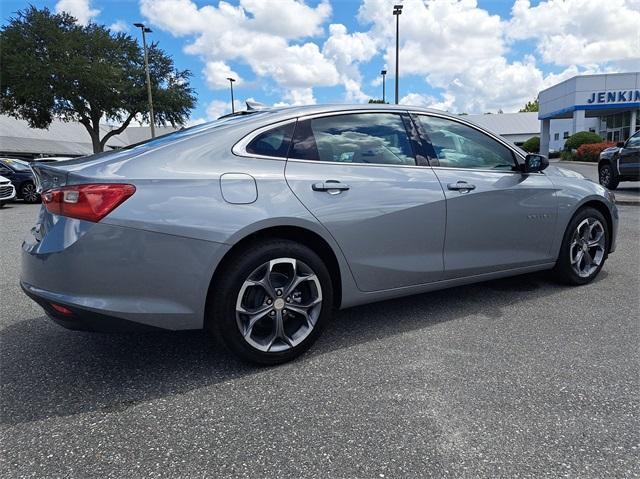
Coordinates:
(592,163)
(625,202)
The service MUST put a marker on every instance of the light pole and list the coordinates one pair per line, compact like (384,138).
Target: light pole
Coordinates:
(383,73)
(397,11)
(231,80)
(146,68)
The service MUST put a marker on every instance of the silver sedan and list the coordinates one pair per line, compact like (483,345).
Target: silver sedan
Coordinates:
(257,226)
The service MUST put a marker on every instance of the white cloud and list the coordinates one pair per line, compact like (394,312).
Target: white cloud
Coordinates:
(217,108)
(80,9)
(579,31)
(464,54)
(347,51)
(256,33)
(458,48)
(428,101)
(217,73)
(287,18)
(119,26)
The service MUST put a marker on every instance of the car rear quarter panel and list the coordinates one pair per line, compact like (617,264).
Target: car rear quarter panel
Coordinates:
(178,193)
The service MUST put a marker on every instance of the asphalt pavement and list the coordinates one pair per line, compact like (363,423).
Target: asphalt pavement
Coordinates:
(512,378)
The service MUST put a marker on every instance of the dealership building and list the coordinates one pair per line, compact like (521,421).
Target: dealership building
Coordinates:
(605,104)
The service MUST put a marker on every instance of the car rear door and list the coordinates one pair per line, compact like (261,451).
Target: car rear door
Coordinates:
(356,173)
(497,217)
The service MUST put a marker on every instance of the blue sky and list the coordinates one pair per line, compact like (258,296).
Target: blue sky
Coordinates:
(455,55)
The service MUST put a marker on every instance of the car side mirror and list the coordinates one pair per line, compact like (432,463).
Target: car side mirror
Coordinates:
(534,163)
(620,144)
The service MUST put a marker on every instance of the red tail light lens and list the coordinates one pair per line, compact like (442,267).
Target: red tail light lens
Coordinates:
(90,202)
(61,309)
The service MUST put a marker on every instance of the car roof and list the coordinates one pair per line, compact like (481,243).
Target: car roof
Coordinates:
(304,110)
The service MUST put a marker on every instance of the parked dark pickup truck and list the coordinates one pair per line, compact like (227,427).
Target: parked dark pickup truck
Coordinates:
(620,163)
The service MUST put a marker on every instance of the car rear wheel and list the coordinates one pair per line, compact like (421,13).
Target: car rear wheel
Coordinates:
(607,176)
(271,301)
(584,248)
(29,193)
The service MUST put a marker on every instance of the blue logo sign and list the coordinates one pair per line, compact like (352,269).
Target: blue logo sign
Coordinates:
(619,96)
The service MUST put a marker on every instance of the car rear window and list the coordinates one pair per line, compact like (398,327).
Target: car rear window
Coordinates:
(274,143)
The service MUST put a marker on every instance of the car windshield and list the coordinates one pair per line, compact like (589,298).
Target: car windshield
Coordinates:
(17,165)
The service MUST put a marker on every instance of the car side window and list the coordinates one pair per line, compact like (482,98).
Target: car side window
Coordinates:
(274,142)
(634,141)
(376,138)
(457,145)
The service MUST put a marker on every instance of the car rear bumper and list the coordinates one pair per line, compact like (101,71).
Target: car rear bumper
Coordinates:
(110,274)
(79,319)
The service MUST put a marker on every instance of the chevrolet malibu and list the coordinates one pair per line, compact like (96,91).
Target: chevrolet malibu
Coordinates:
(257,226)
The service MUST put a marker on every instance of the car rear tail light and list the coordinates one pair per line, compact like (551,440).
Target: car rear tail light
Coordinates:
(61,309)
(90,202)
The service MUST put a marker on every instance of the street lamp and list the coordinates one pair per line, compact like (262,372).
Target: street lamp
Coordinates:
(397,11)
(383,73)
(231,80)
(146,68)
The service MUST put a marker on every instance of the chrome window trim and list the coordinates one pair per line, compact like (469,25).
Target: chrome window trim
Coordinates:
(311,116)
(344,163)
(240,147)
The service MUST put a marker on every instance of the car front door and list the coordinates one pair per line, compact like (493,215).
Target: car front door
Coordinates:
(629,158)
(357,174)
(497,217)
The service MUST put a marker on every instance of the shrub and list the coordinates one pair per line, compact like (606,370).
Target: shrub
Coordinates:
(532,145)
(554,154)
(581,138)
(567,155)
(591,151)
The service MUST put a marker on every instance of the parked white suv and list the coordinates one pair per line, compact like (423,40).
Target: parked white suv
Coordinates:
(7,191)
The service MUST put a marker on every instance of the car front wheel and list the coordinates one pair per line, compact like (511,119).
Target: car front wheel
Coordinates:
(584,248)
(607,177)
(29,193)
(271,301)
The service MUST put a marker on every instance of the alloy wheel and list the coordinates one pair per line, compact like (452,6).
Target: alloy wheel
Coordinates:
(605,176)
(587,249)
(30,193)
(278,305)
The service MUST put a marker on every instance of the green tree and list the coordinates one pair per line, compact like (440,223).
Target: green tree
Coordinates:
(53,67)
(530,106)
(532,145)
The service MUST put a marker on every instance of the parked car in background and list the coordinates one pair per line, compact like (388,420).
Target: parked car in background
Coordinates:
(7,191)
(52,159)
(21,176)
(620,163)
(258,225)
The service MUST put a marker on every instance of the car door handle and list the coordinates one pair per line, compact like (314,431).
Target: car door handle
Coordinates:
(462,186)
(330,186)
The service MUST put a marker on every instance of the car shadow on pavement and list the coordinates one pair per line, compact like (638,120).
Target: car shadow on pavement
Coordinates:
(47,371)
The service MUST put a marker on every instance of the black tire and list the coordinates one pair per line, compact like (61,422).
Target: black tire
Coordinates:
(1,204)
(607,176)
(28,193)
(221,318)
(563,270)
